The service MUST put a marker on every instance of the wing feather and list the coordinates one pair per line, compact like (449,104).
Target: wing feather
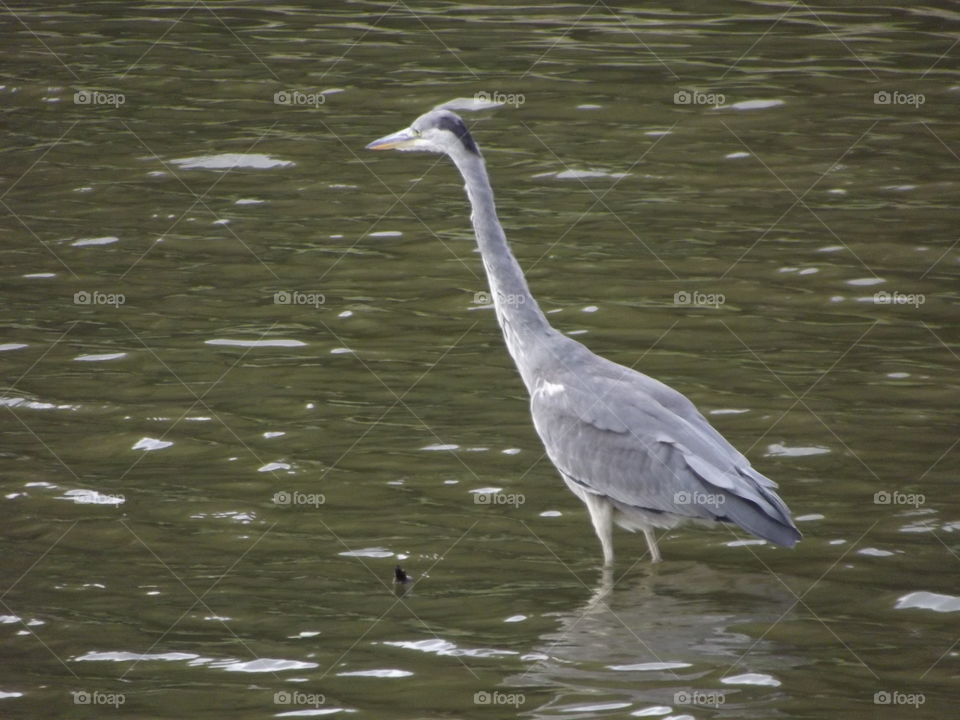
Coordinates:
(644,445)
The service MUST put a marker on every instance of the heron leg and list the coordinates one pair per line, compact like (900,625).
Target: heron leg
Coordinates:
(601,514)
(652,544)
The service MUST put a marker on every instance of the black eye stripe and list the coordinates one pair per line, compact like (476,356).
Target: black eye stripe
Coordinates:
(456,126)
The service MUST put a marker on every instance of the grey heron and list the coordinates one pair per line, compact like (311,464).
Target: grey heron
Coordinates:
(634,450)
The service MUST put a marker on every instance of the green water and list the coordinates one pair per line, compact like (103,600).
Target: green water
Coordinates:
(206,489)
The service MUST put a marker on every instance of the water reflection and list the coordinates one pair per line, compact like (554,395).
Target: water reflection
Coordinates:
(672,636)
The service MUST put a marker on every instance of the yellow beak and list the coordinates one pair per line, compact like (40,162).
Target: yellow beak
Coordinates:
(397,141)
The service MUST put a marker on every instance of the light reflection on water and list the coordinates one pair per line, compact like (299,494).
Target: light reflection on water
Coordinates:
(250,368)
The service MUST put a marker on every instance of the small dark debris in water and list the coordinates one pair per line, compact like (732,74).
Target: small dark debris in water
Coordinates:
(400,576)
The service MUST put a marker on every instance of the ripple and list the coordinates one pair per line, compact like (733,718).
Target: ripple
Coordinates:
(256,343)
(269,665)
(486,490)
(929,601)
(445,648)
(149,444)
(99,357)
(87,242)
(374,552)
(123,656)
(229,161)
(92,497)
(4,347)
(32,404)
(874,552)
(652,711)
(651,666)
(378,673)
(581,174)
(596,707)
(752,105)
(777,450)
(440,447)
(270,467)
(752,679)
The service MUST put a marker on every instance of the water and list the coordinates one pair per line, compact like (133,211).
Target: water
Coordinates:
(207,485)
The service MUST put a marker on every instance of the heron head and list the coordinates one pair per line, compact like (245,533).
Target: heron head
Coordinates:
(440,131)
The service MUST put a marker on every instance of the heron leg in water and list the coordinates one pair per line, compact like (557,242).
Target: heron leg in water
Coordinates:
(652,544)
(601,513)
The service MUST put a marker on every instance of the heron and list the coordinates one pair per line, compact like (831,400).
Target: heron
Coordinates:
(637,452)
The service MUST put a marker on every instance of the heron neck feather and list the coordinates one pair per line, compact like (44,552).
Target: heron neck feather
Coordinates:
(518,313)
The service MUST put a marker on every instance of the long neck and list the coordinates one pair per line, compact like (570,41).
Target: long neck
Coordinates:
(520,317)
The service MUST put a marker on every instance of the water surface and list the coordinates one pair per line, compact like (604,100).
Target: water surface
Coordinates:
(249,368)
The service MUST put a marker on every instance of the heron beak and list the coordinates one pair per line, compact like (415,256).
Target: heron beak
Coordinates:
(403,140)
